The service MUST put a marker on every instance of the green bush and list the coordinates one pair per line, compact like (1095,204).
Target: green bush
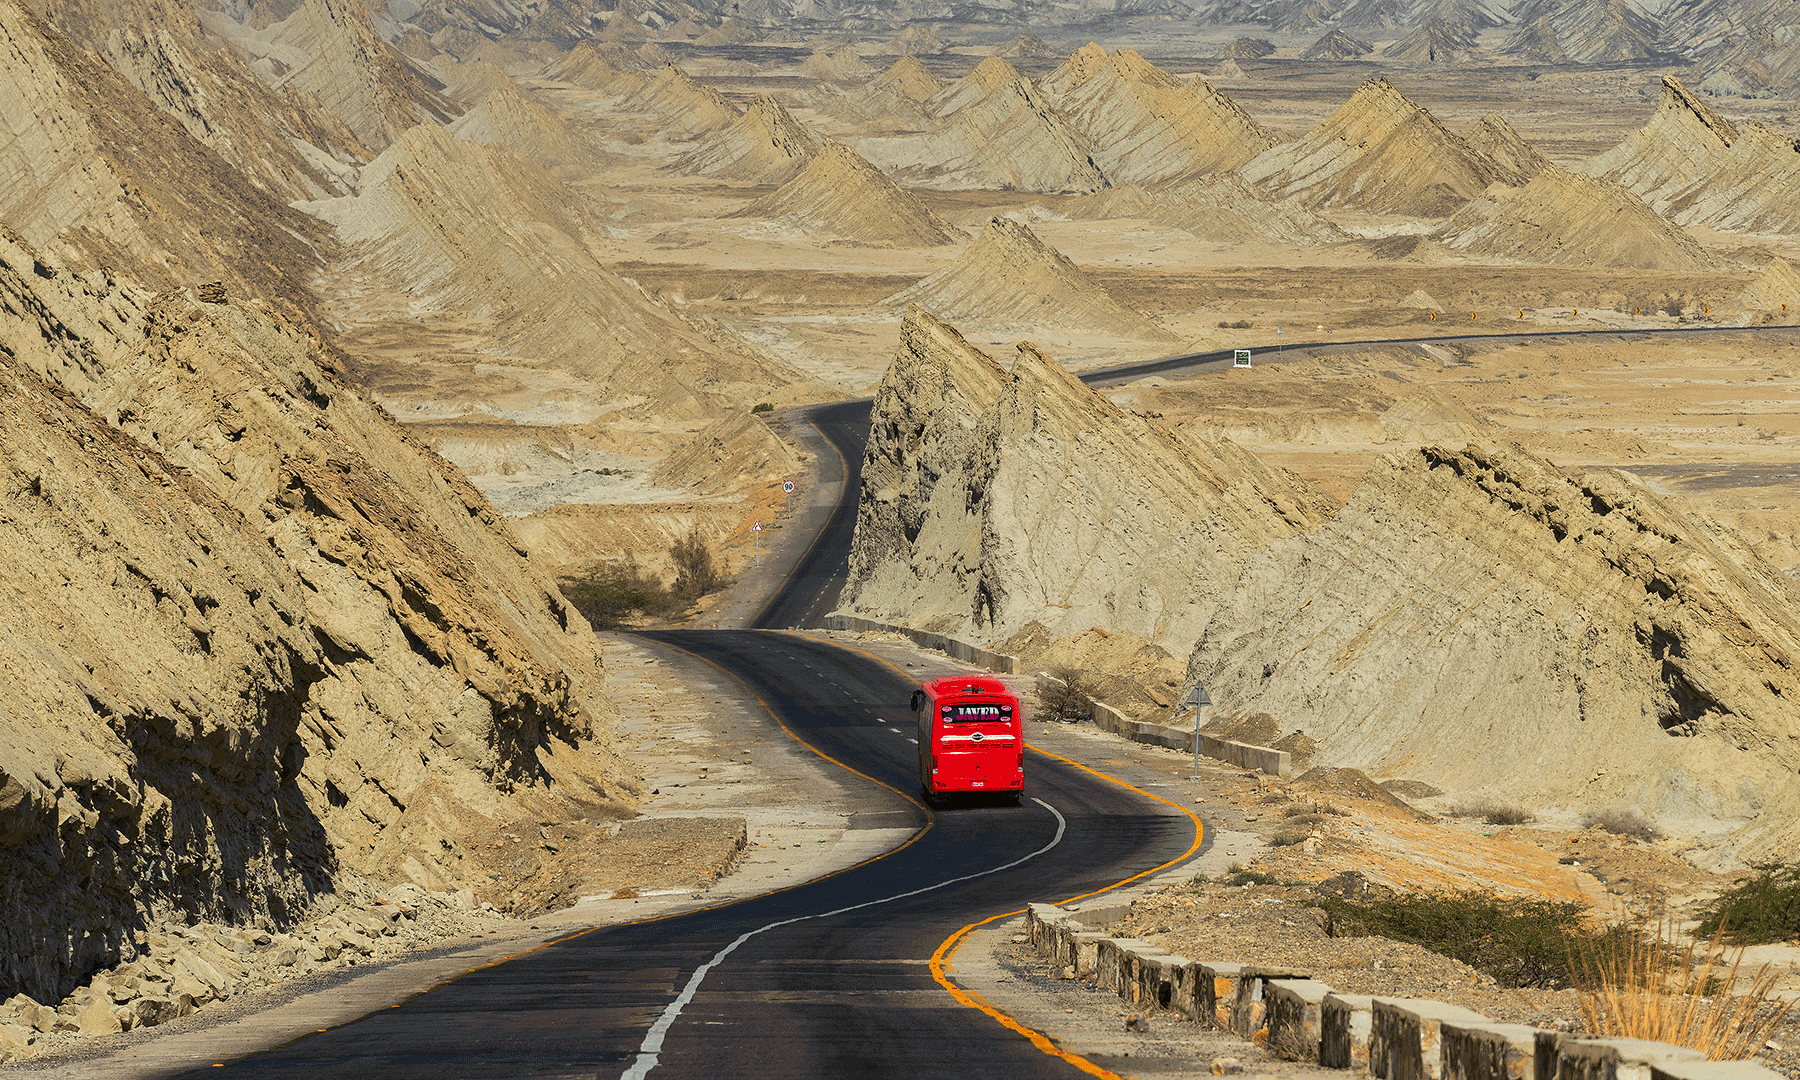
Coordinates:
(1068,694)
(1758,910)
(1497,814)
(1519,941)
(1237,875)
(611,595)
(762,407)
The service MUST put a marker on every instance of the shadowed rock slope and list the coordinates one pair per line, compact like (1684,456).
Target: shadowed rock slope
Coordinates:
(1699,168)
(1146,126)
(841,194)
(989,495)
(1517,160)
(1562,218)
(1485,622)
(260,635)
(1380,153)
(1009,277)
(993,129)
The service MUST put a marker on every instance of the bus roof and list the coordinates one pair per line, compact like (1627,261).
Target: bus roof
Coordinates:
(958,685)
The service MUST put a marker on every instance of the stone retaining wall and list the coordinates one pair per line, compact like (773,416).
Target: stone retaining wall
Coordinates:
(1386,1038)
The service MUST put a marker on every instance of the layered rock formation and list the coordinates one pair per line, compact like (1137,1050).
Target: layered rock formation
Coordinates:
(735,449)
(994,130)
(1776,291)
(896,97)
(1337,45)
(840,193)
(330,50)
(1495,139)
(451,226)
(1583,32)
(1486,622)
(506,117)
(1223,208)
(994,499)
(93,174)
(604,66)
(1698,168)
(765,145)
(1010,278)
(683,105)
(1379,152)
(1568,219)
(1146,126)
(260,623)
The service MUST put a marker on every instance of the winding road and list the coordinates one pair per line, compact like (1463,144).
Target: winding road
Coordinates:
(838,977)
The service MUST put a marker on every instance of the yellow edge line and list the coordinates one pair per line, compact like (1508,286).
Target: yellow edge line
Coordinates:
(942,960)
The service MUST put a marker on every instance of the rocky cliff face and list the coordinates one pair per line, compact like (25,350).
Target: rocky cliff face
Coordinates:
(258,635)
(992,499)
(1486,622)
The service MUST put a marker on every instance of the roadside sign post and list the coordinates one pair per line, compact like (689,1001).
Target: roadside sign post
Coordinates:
(1240,358)
(756,542)
(1198,699)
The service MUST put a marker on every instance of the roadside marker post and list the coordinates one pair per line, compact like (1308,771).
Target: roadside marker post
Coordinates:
(1240,358)
(1198,699)
(756,542)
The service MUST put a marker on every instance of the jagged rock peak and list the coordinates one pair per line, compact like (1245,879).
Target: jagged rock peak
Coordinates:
(1010,278)
(1380,152)
(1575,606)
(684,103)
(1337,45)
(1571,219)
(765,145)
(1080,66)
(1501,143)
(840,192)
(909,77)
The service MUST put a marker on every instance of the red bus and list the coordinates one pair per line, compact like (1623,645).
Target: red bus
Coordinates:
(971,737)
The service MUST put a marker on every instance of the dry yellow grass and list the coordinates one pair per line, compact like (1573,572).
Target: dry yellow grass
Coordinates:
(1651,985)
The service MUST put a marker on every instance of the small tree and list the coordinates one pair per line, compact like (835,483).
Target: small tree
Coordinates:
(1068,694)
(695,574)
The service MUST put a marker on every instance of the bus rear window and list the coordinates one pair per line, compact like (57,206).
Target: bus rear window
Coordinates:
(965,714)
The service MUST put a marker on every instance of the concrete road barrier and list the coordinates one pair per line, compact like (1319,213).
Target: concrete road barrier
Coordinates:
(1344,1024)
(1489,1052)
(1405,1037)
(1618,1059)
(1294,1008)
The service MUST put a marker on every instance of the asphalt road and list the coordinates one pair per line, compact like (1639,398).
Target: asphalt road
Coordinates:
(829,979)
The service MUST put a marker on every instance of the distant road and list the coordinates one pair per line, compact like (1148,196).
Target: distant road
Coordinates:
(811,592)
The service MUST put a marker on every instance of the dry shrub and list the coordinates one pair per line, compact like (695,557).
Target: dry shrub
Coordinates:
(1622,821)
(1287,839)
(1646,986)
(1068,694)
(1497,814)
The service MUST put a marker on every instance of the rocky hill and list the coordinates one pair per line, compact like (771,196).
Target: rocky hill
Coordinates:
(330,50)
(1337,45)
(1381,153)
(506,117)
(1222,208)
(1699,168)
(839,193)
(1495,139)
(896,98)
(96,175)
(1583,32)
(1472,617)
(1010,278)
(282,631)
(474,232)
(1144,125)
(683,105)
(986,494)
(1563,218)
(991,129)
(604,66)
(765,145)
(1775,293)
